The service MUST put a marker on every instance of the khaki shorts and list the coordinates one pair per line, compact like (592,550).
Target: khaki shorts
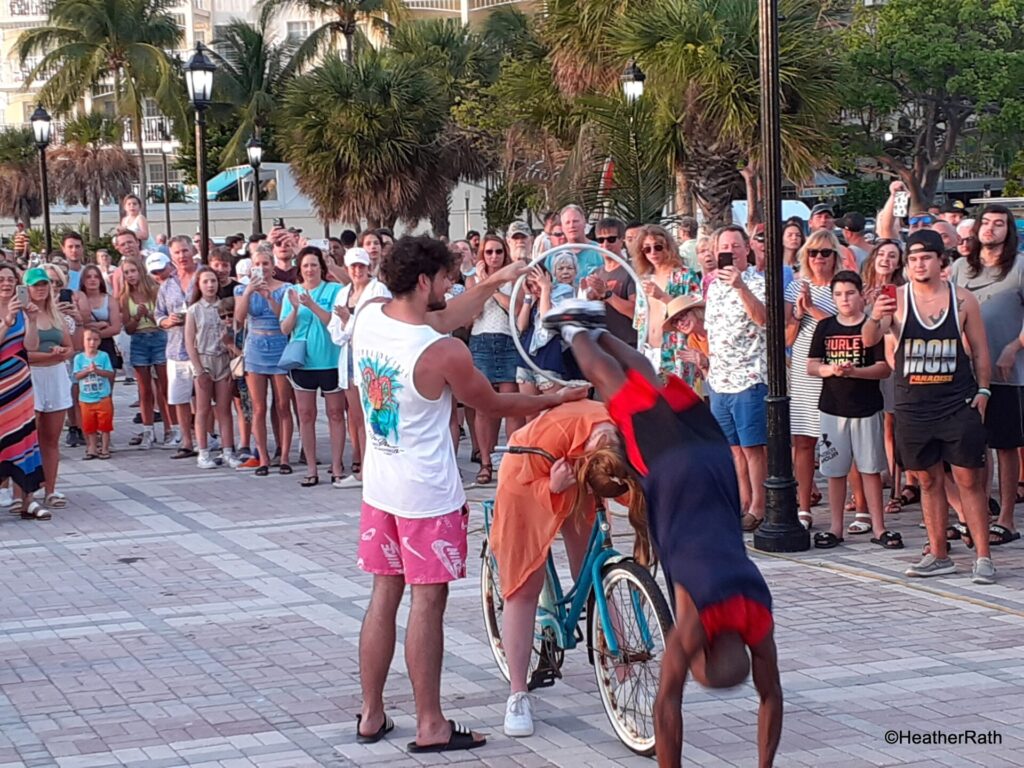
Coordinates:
(218,367)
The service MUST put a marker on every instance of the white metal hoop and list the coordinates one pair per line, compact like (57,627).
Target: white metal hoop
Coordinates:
(640,297)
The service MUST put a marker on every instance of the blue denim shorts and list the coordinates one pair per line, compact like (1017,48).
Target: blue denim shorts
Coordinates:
(495,356)
(148,348)
(742,415)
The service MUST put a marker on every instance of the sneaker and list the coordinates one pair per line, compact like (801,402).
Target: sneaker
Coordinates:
(983,572)
(349,481)
(248,464)
(932,566)
(586,314)
(147,439)
(205,461)
(519,715)
(6,497)
(173,440)
(75,437)
(214,442)
(137,419)
(244,454)
(231,458)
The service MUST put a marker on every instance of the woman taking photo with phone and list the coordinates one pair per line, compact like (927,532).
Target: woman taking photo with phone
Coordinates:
(258,307)
(808,300)
(20,459)
(148,349)
(305,312)
(51,385)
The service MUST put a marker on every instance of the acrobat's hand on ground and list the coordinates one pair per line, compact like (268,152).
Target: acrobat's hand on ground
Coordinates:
(576,313)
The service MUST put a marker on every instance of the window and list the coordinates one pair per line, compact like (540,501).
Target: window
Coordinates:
(299,31)
(179,19)
(155,171)
(200,36)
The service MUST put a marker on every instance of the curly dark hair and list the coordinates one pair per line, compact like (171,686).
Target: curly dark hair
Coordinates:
(411,257)
(308,251)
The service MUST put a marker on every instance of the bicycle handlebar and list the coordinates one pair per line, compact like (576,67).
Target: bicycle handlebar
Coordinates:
(521,449)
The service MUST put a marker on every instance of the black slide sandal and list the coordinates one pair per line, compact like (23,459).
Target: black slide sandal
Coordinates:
(386,727)
(461,738)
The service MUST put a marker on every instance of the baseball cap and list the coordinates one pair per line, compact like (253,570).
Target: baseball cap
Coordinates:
(852,221)
(954,206)
(823,208)
(926,240)
(157,262)
(518,229)
(355,256)
(35,275)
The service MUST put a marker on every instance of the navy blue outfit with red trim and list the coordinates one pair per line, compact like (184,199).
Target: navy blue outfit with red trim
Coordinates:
(693,503)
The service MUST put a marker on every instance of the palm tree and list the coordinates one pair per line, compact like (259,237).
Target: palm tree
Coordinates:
(20,193)
(701,57)
(88,41)
(91,166)
(342,20)
(252,72)
(363,139)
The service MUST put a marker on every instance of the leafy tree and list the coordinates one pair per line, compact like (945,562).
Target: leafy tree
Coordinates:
(343,20)
(90,165)
(252,72)
(85,42)
(702,62)
(20,193)
(363,138)
(931,74)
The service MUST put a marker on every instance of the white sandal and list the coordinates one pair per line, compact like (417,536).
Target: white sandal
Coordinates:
(56,500)
(806,519)
(35,511)
(861,524)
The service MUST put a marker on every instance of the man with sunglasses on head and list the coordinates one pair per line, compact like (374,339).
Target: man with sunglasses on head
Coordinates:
(941,398)
(612,284)
(994,274)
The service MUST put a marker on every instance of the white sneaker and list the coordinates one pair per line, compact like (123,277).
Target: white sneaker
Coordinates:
(205,461)
(213,443)
(173,441)
(349,481)
(519,715)
(147,439)
(6,497)
(231,458)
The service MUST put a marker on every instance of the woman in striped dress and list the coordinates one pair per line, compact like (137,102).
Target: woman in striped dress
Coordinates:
(808,300)
(20,460)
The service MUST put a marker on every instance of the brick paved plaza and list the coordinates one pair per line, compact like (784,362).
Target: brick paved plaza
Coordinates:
(175,617)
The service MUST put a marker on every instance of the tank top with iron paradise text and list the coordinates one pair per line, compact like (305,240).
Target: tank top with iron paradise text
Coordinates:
(933,373)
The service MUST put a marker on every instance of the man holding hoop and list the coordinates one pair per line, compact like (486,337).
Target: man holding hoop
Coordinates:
(722,603)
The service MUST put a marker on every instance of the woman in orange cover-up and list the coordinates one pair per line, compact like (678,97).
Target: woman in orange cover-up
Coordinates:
(535,499)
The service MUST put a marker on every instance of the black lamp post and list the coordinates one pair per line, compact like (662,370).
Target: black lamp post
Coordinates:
(199,78)
(254,149)
(632,80)
(41,128)
(781,530)
(165,150)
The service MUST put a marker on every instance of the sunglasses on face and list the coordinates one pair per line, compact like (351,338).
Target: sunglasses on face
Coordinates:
(966,240)
(558,234)
(758,238)
(657,248)
(610,239)
(824,253)
(922,221)
(494,251)
(225,315)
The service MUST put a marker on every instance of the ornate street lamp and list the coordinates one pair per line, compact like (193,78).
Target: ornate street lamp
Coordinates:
(166,149)
(41,128)
(199,79)
(633,81)
(254,149)
(781,530)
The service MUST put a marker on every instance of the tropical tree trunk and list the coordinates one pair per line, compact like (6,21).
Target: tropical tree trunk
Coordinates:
(684,197)
(137,120)
(94,213)
(714,176)
(440,221)
(350,37)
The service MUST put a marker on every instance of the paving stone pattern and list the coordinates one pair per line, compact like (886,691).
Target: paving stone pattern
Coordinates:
(177,617)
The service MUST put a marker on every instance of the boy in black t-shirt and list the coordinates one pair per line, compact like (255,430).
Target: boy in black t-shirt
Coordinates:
(851,411)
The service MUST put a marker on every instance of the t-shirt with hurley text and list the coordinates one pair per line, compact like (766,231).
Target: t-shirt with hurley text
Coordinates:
(834,343)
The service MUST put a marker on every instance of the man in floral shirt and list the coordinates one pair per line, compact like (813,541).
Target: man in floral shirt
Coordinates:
(734,318)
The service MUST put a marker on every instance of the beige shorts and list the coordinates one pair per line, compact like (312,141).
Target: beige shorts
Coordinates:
(218,367)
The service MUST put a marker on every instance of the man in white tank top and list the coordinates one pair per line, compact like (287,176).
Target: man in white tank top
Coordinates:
(414,514)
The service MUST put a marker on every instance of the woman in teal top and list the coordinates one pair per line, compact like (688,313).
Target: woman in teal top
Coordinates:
(305,313)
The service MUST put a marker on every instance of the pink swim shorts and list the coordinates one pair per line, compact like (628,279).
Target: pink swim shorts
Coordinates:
(429,550)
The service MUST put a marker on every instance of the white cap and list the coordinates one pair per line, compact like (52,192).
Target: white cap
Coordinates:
(357,256)
(157,262)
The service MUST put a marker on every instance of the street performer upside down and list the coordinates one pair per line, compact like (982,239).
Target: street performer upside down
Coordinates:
(722,603)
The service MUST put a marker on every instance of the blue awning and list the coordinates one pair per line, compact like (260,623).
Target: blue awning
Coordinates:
(225,180)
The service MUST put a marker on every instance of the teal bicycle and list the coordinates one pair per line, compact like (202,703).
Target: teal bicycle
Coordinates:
(627,620)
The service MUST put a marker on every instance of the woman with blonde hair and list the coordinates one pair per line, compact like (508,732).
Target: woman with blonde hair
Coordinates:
(535,500)
(663,276)
(808,300)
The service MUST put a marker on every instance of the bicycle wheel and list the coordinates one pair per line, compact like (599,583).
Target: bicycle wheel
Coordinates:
(493,604)
(628,682)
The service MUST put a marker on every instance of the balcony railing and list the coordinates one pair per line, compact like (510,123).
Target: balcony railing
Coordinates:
(30,7)
(150,130)
(151,136)
(455,6)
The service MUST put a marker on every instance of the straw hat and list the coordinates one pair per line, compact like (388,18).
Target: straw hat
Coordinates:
(680,304)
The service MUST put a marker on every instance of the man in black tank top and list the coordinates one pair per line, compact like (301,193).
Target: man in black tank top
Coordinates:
(940,401)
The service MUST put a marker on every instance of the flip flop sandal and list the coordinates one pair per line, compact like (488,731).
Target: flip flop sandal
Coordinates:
(1004,535)
(889,540)
(262,471)
(485,475)
(56,500)
(184,453)
(953,532)
(806,519)
(461,738)
(310,481)
(826,540)
(89,457)
(103,455)
(965,534)
(914,495)
(285,469)
(862,524)
(749,522)
(386,727)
